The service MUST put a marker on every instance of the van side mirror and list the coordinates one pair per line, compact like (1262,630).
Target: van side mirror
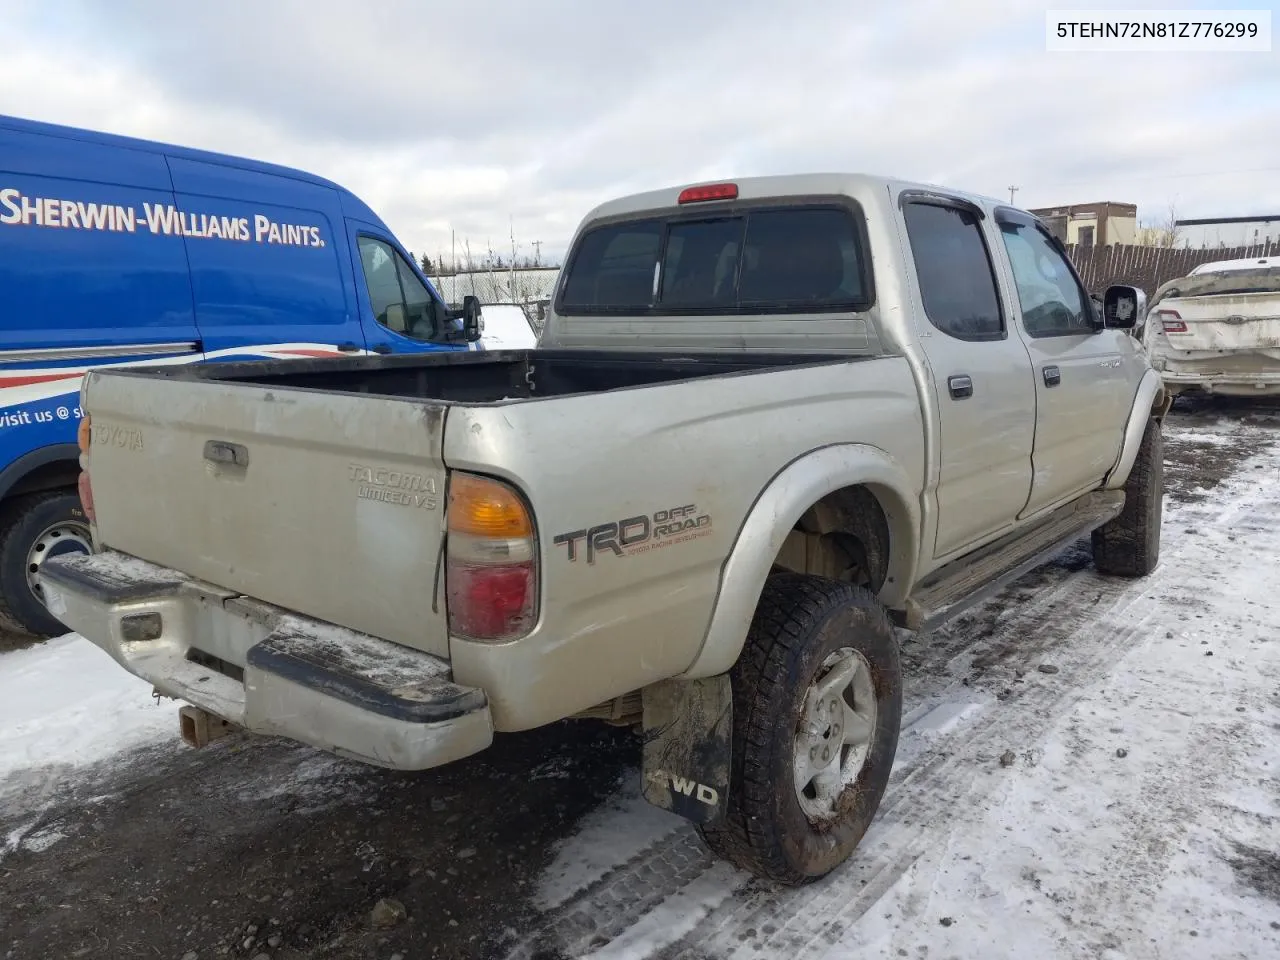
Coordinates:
(472,321)
(1123,307)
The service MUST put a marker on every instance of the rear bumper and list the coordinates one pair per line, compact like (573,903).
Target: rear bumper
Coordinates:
(1184,376)
(268,670)
(1236,385)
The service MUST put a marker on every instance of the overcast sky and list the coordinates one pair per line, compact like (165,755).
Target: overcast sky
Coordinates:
(462,115)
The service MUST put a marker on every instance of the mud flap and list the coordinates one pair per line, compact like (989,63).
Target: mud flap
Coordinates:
(688,729)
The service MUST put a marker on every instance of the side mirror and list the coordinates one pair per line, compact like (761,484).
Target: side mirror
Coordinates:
(1123,307)
(472,322)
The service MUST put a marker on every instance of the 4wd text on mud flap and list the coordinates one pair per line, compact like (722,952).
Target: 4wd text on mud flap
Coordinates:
(637,534)
(690,788)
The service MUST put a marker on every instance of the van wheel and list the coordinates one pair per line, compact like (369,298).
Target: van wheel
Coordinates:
(33,529)
(817,705)
(1129,545)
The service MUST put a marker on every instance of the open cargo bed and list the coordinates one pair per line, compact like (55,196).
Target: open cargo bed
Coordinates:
(487,377)
(225,471)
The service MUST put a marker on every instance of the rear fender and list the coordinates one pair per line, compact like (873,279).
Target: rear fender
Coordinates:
(800,485)
(1151,400)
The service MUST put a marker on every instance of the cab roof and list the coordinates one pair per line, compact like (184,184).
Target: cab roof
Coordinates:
(854,185)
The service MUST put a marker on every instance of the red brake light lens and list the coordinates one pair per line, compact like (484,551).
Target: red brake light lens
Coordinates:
(1171,321)
(490,602)
(715,191)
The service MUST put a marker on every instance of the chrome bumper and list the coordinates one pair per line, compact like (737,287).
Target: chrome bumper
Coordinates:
(266,669)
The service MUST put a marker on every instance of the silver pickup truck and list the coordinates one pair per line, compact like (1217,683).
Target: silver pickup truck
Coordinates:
(767,420)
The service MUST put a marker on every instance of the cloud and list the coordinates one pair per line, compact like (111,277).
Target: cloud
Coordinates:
(474,118)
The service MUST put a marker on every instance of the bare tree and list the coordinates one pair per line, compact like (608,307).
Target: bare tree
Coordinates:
(1164,232)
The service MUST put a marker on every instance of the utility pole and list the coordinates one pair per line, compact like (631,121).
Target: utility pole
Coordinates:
(1012,191)
(537,253)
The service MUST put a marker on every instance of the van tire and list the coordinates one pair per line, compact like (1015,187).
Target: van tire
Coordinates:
(24,523)
(801,624)
(1129,545)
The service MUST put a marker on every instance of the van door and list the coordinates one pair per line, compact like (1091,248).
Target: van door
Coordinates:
(1081,375)
(403,314)
(85,278)
(267,258)
(981,372)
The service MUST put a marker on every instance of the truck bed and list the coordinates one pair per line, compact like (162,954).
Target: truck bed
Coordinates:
(287,482)
(488,377)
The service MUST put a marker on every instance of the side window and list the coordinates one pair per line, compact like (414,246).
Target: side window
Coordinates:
(957,283)
(1053,305)
(400,301)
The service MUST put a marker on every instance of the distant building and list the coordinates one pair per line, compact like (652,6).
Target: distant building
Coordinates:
(1216,232)
(1092,224)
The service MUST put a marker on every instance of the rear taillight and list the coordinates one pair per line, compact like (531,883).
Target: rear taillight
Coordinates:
(491,562)
(83,438)
(1171,321)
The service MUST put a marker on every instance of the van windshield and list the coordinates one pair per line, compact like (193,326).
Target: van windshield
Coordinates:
(764,260)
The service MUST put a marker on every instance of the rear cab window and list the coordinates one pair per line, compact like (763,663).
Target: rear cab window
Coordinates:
(755,257)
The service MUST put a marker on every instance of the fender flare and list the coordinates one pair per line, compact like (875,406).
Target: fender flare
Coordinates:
(1151,399)
(791,492)
(14,473)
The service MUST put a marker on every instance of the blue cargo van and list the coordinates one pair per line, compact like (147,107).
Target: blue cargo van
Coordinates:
(118,251)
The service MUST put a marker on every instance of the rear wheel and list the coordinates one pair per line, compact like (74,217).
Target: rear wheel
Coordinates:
(34,529)
(817,705)
(1129,545)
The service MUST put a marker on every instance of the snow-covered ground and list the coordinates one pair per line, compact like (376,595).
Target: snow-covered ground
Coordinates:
(66,702)
(1123,804)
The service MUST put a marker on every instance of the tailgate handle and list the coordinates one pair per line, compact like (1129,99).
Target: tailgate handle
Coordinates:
(220,451)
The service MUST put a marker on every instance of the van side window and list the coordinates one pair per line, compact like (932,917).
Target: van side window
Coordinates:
(957,283)
(400,301)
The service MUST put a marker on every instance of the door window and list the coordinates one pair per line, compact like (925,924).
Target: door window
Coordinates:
(400,301)
(957,284)
(1053,304)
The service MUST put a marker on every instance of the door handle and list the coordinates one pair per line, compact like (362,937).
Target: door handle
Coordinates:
(1052,376)
(348,347)
(961,386)
(381,348)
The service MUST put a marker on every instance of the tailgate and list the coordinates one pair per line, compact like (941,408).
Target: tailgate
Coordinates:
(328,504)
(1249,321)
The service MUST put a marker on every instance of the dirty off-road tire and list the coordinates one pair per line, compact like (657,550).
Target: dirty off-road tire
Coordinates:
(814,644)
(1129,545)
(33,529)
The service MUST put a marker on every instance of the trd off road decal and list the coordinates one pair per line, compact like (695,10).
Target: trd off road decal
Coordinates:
(639,534)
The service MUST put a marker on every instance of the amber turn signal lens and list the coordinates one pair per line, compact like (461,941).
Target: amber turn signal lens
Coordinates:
(486,508)
(82,435)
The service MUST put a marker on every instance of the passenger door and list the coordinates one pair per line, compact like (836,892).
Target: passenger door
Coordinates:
(981,374)
(403,314)
(267,262)
(1082,392)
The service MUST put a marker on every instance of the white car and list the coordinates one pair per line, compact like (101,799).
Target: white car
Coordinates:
(506,327)
(1217,330)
